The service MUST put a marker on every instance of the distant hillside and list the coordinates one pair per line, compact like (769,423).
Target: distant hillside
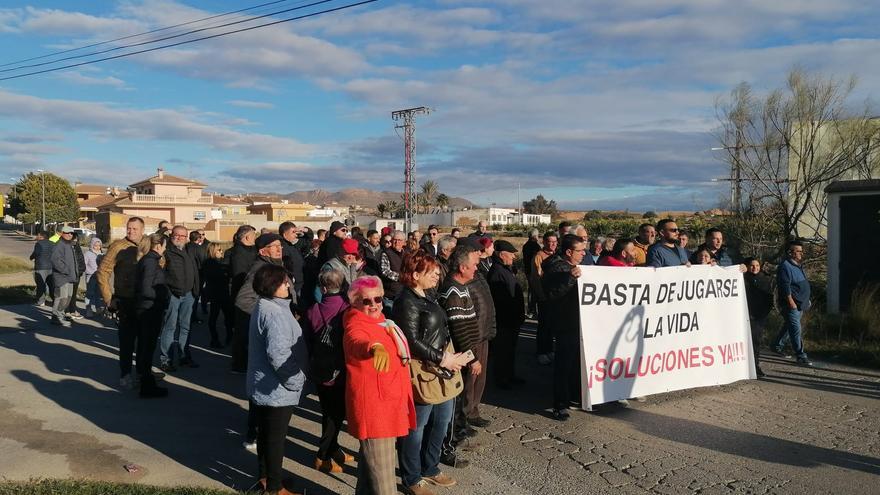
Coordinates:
(363,197)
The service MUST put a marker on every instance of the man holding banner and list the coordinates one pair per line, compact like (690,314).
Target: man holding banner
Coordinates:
(560,285)
(646,331)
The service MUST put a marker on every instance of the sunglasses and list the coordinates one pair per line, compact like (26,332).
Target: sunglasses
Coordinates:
(343,230)
(367,301)
(671,230)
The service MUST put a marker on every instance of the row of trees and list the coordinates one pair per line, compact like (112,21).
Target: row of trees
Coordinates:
(26,199)
(428,200)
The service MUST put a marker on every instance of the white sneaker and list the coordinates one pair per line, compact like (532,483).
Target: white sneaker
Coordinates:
(249,445)
(74,316)
(127,382)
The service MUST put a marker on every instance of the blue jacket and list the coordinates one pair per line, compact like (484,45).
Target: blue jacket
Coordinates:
(660,255)
(277,355)
(792,281)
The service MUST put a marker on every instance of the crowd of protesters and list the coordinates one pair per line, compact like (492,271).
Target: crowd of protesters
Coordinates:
(393,331)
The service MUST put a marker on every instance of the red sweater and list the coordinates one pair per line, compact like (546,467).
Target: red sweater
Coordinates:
(378,405)
(611,261)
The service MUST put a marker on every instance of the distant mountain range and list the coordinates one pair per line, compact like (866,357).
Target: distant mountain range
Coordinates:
(364,197)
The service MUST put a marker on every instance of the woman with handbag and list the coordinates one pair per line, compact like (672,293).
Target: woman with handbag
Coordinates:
(379,397)
(323,325)
(423,322)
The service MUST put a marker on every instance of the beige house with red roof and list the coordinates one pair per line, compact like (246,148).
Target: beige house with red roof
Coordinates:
(165,196)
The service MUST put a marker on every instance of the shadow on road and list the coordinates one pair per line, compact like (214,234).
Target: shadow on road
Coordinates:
(198,426)
(744,444)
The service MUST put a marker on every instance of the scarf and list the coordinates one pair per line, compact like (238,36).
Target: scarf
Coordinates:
(399,340)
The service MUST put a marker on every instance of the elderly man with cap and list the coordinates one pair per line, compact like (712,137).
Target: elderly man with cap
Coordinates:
(64,276)
(269,250)
(349,264)
(507,295)
(182,278)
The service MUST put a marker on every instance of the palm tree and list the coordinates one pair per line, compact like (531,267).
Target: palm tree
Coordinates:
(381,208)
(392,207)
(429,190)
(442,201)
(423,202)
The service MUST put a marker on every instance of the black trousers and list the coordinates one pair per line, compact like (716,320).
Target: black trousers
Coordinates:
(567,368)
(273,423)
(228,319)
(128,332)
(332,400)
(504,354)
(147,338)
(544,336)
(758,326)
(240,340)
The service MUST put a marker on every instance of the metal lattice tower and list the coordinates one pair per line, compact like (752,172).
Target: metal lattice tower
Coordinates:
(408,117)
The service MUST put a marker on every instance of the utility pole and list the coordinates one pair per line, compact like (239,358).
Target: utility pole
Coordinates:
(736,174)
(408,116)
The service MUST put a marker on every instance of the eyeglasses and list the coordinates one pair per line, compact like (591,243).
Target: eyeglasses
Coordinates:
(343,230)
(375,300)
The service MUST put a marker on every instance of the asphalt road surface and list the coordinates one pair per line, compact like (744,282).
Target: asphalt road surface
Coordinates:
(799,431)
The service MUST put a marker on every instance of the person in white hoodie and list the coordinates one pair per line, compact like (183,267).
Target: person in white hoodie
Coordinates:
(93,258)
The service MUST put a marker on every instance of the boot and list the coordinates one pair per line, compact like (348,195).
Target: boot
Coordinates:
(149,389)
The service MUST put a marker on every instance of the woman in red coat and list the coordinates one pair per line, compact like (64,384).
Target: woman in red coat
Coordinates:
(378,401)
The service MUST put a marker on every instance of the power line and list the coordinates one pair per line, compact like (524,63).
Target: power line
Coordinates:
(142,34)
(171,45)
(166,38)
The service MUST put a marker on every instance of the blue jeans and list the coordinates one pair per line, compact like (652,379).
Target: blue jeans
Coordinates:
(792,328)
(176,317)
(420,456)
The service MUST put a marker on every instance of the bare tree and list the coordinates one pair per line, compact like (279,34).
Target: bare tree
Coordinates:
(783,150)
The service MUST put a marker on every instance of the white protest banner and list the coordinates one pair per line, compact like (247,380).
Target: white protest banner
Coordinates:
(646,331)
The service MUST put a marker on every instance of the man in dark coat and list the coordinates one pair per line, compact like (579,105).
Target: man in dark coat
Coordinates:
(529,250)
(182,277)
(759,295)
(292,258)
(507,295)
(42,256)
(559,284)
(64,276)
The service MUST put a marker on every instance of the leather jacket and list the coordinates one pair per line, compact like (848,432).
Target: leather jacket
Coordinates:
(423,322)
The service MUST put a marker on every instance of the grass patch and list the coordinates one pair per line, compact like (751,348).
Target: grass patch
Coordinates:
(851,353)
(85,487)
(18,294)
(10,264)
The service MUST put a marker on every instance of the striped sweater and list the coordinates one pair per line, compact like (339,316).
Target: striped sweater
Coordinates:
(464,326)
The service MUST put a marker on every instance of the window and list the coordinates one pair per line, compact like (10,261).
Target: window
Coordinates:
(198,215)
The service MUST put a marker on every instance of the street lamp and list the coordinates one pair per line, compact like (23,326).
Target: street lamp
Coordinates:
(43,180)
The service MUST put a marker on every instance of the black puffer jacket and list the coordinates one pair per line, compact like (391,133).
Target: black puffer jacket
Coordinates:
(150,291)
(241,258)
(423,322)
(181,272)
(560,288)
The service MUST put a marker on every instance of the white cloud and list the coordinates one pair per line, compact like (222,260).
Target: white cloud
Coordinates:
(108,121)
(251,104)
(87,80)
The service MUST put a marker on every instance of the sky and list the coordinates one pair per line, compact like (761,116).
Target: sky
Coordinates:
(595,104)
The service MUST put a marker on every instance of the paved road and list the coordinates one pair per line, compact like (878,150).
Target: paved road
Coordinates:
(14,244)
(800,431)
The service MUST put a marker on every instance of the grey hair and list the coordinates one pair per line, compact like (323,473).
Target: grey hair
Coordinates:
(460,256)
(331,281)
(446,241)
(243,231)
(534,233)
(398,233)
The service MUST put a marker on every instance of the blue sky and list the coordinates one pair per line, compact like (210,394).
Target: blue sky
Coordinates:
(595,104)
